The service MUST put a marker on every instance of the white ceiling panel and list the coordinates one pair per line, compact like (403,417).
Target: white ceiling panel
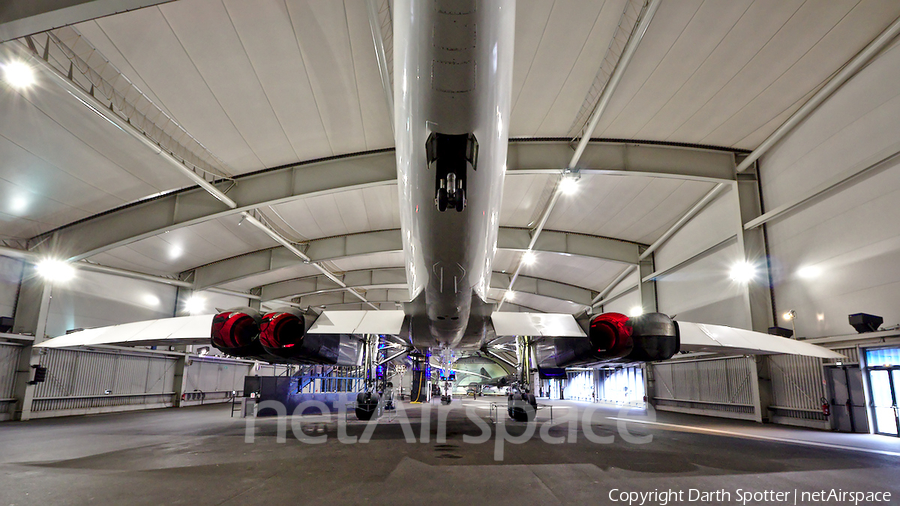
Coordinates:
(721,73)
(298,270)
(372,261)
(184,248)
(632,208)
(537,302)
(343,213)
(586,272)
(523,198)
(151,47)
(571,44)
(205,30)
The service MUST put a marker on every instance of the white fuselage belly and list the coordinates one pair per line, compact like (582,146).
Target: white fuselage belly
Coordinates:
(452,75)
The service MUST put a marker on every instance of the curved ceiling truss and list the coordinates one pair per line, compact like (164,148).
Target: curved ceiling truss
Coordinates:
(190,206)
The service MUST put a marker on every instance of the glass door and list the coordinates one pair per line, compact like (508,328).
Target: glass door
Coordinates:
(885,396)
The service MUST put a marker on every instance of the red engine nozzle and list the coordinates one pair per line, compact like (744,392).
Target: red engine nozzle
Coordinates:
(236,332)
(282,332)
(611,334)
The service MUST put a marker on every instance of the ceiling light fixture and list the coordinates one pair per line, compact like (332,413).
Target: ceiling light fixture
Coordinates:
(568,185)
(529,257)
(55,270)
(743,272)
(18,74)
(809,272)
(195,305)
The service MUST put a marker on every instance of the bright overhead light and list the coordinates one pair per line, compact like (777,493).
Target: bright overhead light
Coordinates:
(820,317)
(743,272)
(529,257)
(150,300)
(18,204)
(790,315)
(636,311)
(195,305)
(18,74)
(509,295)
(55,270)
(568,185)
(175,251)
(809,272)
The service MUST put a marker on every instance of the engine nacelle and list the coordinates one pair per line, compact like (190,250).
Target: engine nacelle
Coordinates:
(614,338)
(236,332)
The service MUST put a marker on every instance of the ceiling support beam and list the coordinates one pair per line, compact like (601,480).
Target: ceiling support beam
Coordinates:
(335,248)
(18,19)
(394,278)
(134,222)
(849,70)
(571,169)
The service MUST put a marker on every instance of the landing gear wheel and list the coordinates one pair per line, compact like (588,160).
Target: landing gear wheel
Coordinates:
(442,200)
(460,201)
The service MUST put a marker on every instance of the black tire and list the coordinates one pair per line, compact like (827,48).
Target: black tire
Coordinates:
(460,201)
(442,199)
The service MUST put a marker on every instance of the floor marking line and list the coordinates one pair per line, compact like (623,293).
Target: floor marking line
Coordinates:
(764,438)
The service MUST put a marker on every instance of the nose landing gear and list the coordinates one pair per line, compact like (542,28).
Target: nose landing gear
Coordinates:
(451,156)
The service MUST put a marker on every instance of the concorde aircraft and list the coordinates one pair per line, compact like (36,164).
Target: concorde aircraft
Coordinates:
(453,74)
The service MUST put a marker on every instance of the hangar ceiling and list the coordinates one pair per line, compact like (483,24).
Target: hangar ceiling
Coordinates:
(285,100)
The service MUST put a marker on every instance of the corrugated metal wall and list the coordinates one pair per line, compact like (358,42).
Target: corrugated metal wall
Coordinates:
(715,387)
(797,390)
(96,381)
(210,380)
(80,382)
(9,360)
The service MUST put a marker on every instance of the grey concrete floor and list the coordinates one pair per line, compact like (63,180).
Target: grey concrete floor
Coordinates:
(201,456)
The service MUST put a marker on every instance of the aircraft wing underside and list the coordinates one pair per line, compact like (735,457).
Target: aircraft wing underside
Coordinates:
(187,330)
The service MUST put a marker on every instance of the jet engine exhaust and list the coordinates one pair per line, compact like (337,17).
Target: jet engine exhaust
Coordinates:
(236,332)
(614,338)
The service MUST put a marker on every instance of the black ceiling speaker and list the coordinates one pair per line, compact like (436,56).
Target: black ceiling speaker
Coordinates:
(781,331)
(863,322)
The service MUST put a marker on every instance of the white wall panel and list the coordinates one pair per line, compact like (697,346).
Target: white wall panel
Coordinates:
(850,235)
(625,303)
(716,222)
(95,300)
(702,290)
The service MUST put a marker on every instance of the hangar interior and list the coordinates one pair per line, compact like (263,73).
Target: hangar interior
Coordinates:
(742,172)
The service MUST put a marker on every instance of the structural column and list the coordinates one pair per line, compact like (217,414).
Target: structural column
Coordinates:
(758,295)
(179,385)
(647,288)
(32,310)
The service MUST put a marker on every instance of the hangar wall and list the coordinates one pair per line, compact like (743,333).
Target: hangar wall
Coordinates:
(99,381)
(695,262)
(95,299)
(850,233)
